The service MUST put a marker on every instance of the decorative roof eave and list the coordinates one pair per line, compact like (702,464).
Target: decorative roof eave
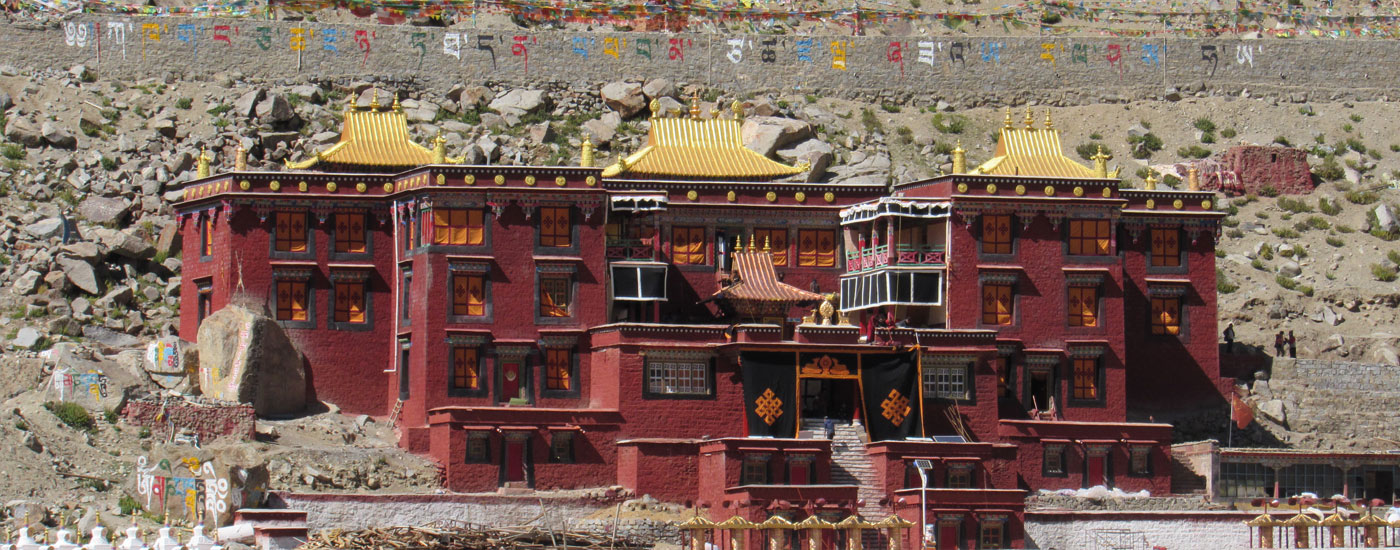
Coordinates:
(699,148)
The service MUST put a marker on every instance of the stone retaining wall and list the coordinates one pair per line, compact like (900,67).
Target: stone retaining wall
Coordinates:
(968,71)
(208,420)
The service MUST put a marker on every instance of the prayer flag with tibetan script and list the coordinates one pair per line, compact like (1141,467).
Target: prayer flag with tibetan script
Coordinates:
(770,393)
(890,390)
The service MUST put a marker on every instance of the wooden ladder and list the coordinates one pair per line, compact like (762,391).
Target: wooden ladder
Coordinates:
(394,415)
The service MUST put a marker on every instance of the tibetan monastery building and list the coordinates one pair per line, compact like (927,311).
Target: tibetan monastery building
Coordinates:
(683,323)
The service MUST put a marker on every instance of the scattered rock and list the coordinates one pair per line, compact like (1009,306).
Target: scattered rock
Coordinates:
(519,102)
(626,98)
(23,131)
(26,338)
(81,274)
(767,134)
(1385,219)
(275,108)
(246,357)
(659,87)
(1274,410)
(58,136)
(246,105)
(103,210)
(45,229)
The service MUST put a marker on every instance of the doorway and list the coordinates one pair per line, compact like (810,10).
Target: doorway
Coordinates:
(512,382)
(829,398)
(1097,472)
(1380,484)
(1039,389)
(515,465)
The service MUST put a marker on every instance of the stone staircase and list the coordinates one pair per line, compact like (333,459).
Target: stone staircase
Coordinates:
(850,465)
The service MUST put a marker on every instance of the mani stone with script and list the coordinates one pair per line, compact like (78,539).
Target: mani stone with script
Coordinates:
(246,357)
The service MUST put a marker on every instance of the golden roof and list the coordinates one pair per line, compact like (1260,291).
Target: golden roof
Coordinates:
(735,522)
(1032,151)
(696,148)
(697,522)
(376,137)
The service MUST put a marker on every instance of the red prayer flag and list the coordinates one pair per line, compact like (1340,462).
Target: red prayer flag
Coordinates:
(1240,412)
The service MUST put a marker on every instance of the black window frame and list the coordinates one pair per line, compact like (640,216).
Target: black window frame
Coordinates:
(482,388)
(566,438)
(309,254)
(647,392)
(489,313)
(310,322)
(333,324)
(484,437)
(333,241)
(575,385)
(1047,451)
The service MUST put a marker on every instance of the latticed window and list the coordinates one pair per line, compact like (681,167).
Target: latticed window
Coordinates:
(1166,248)
(291,301)
(1053,461)
(561,447)
(466,373)
(1140,464)
(688,245)
(678,377)
(755,470)
(350,233)
(960,477)
(556,227)
(469,295)
(289,233)
(1086,378)
(776,241)
(459,226)
(555,295)
(996,233)
(945,381)
(559,369)
(478,448)
(816,248)
(993,535)
(350,302)
(1088,237)
(1083,306)
(996,304)
(1166,316)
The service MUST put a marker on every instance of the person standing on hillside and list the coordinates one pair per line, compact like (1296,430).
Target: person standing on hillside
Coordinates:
(1292,345)
(1230,338)
(1278,344)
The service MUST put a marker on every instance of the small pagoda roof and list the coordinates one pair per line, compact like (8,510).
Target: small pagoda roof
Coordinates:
(1032,151)
(758,281)
(376,137)
(695,148)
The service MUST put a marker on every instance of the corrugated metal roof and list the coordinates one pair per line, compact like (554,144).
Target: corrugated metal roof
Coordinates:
(1032,152)
(758,281)
(372,137)
(692,148)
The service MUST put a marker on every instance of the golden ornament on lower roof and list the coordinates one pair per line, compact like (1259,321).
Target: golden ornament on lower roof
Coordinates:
(691,195)
(244,185)
(561,181)
(731,197)
(1107,192)
(1020,189)
(1177,204)
(829,197)
(1049,190)
(1205,205)
(469,179)
(441,179)
(530,180)
(591,181)
(275,185)
(1151,204)
(500,179)
(388,188)
(991,189)
(771,196)
(331,186)
(800,197)
(1078,191)
(962,187)
(301,186)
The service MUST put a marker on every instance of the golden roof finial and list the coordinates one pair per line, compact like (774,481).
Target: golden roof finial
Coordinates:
(240,158)
(350,100)
(374,99)
(397,108)
(1049,124)
(765,244)
(1030,119)
(1101,163)
(695,104)
(1193,178)
(959,159)
(202,167)
(738,109)
(1150,183)
(439,148)
(714,113)
(1007,123)
(585,157)
(752,238)
(655,107)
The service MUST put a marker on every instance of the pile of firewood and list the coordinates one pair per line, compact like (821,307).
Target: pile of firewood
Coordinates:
(465,537)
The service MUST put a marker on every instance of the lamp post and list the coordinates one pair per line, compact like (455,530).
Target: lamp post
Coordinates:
(923,465)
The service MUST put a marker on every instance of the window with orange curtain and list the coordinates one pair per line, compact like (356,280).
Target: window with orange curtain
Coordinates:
(290,232)
(350,233)
(291,301)
(206,236)
(1166,248)
(1088,237)
(556,227)
(1166,316)
(996,233)
(1086,378)
(465,369)
(775,240)
(349,302)
(688,245)
(1083,306)
(996,304)
(555,293)
(469,295)
(816,248)
(558,369)
(459,226)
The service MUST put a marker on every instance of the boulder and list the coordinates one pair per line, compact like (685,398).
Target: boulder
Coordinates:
(165,363)
(124,244)
(165,127)
(1386,355)
(5,100)
(108,337)
(473,97)
(103,210)
(519,102)
(80,273)
(540,133)
(58,136)
(247,104)
(23,131)
(600,131)
(83,250)
(1274,410)
(624,97)
(26,283)
(45,229)
(246,357)
(814,152)
(310,92)
(1290,268)
(659,87)
(26,338)
(1385,219)
(275,108)
(767,134)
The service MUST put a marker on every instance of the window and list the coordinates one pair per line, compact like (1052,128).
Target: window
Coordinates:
(561,447)
(678,377)
(1140,461)
(1166,248)
(458,227)
(1088,237)
(755,470)
(996,233)
(996,304)
(292,301)
(960,476)
(556,227)
(993,534)
(1083,306)
(406,294)
(1054,460)
(1086,378)
(468,295)
(350,302)
(558,367)
(946,381)
(1166,316)
(775,240)
(478,448)
(1246,480)
(350,233)
(816,248)
(289,234)
(206,236)
(639,282)
(466,369)
(555,295)
(1321,479)
(206,300)
(688,245)
(405,356)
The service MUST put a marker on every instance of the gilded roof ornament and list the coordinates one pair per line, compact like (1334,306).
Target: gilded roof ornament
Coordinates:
(695,104)
(959,159)
(202,168)
(397,108)
(1030,119)
(1007,123)
(1150,183)
(1101,163)
(655,107)
(738,109)
(586,152)
(1049,124)
(439,146)
(374,100)
(240,158)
